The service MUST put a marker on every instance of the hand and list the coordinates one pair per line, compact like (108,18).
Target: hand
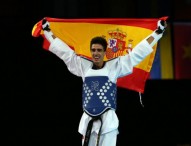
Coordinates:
(161,26)
(45,25)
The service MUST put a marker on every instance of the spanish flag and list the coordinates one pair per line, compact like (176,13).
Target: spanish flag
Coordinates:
(122,35)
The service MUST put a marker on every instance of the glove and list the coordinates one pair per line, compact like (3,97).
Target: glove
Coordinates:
(45,25)
(161,26)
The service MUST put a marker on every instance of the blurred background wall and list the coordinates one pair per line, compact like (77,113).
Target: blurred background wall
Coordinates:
(41,106)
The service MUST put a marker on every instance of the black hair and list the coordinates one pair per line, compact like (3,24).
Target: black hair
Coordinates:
(99,40)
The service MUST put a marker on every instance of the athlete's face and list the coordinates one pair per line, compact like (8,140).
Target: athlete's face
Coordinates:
(98,54)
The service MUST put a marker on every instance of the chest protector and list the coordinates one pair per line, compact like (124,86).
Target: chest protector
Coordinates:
(99,94)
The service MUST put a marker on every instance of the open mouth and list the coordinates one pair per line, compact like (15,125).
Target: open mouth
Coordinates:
(96,58)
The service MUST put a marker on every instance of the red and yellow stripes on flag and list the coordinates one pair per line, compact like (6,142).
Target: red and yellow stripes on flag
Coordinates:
(121,34)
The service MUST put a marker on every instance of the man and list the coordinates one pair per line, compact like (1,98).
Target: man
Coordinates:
(99,122)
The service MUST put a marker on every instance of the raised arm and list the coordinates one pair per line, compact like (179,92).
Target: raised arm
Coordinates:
(160,29)
(125,64)
(144,48)
(74,63)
